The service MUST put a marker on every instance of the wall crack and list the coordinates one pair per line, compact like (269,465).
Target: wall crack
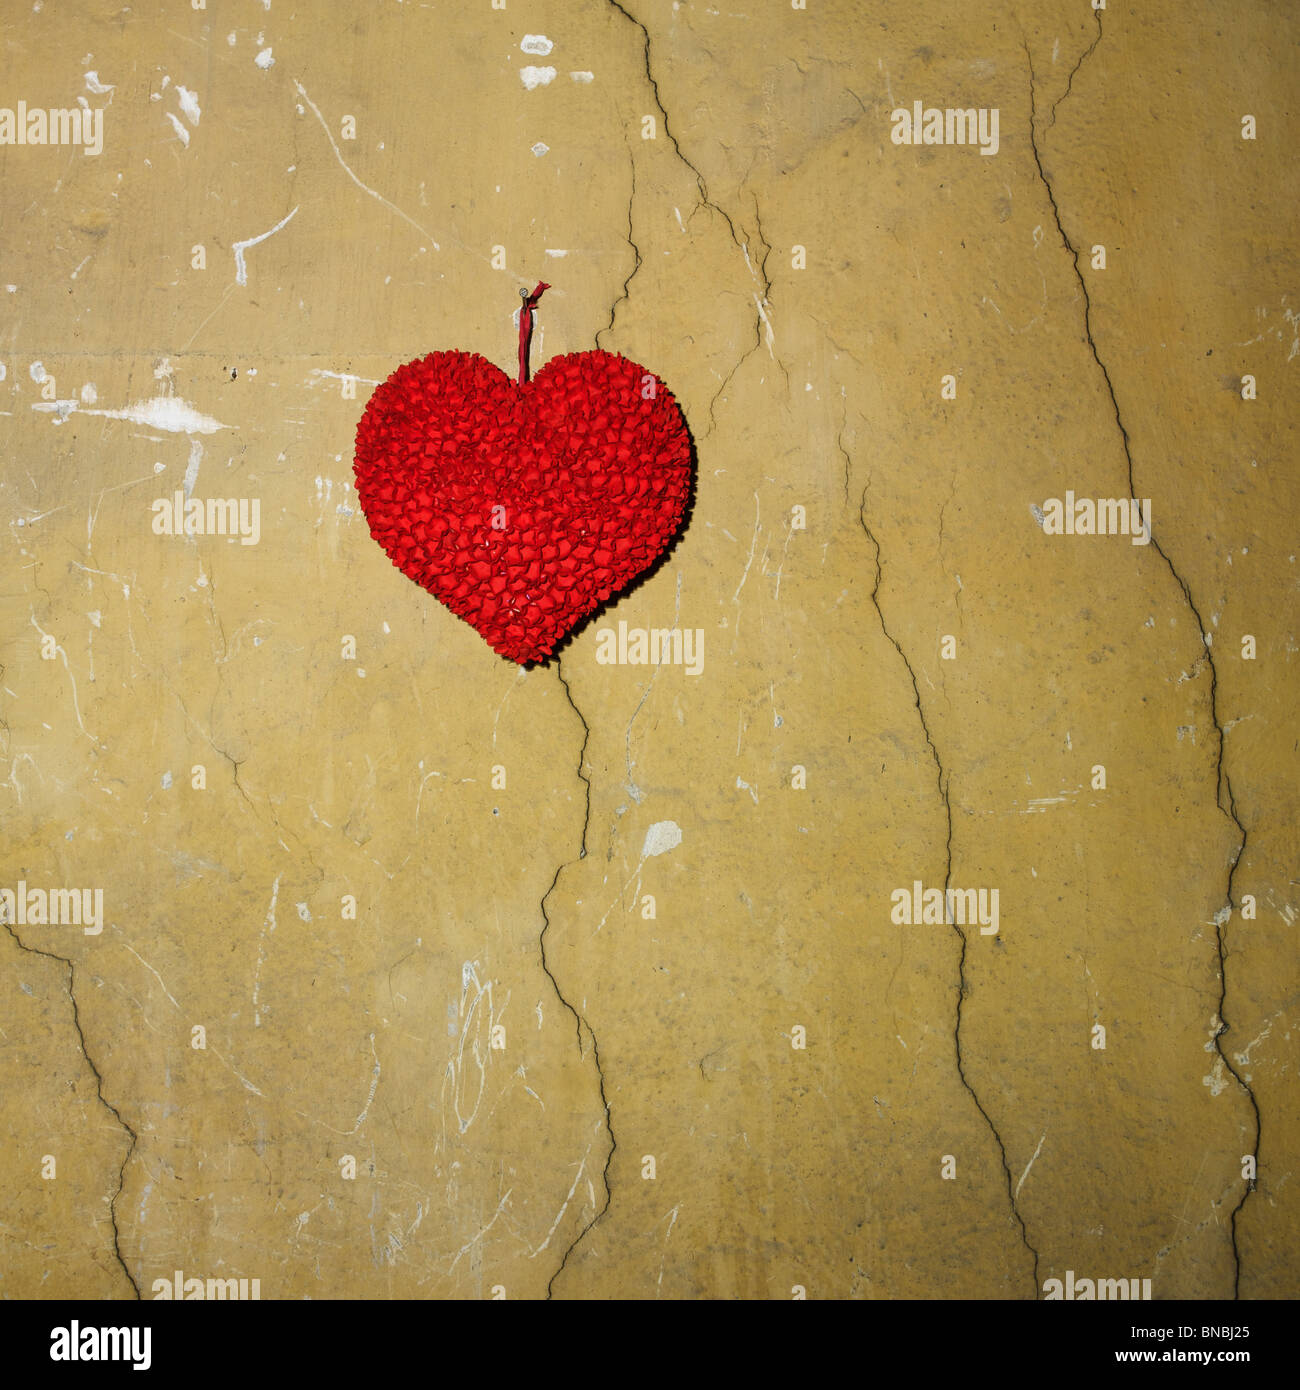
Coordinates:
(943,779)
(1224,799)
(762,321)
(636,251)
(1074,72)
(580,1023)
(99,1091)
(704,199)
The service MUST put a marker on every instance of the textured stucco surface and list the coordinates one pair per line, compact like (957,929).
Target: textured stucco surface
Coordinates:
(827,754)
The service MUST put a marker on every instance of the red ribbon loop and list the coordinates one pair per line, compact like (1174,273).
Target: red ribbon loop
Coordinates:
(526,327)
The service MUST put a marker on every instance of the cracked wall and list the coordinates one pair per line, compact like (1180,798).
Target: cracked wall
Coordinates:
(421,975)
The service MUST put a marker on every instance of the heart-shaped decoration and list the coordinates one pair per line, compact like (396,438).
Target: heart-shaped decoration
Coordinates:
(523,506)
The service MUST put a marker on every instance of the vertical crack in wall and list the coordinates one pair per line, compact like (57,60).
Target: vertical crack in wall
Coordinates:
(942,778)
(1074,71)
(99,1091)
(726,381)
(636,251)
(762,323)
(763,300)
(579,1022)
(1224,799)
(704,199)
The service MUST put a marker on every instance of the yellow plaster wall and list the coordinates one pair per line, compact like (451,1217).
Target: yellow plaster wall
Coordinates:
(649,1124)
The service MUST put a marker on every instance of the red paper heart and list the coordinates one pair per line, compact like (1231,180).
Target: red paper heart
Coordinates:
(523,507)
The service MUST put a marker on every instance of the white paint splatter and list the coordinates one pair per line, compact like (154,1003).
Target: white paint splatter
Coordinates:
(267,926)
(536,43)
(166,780)
(161,412)
(551,252)
(192,467)
(319,374)
(365,188)
(662,836)
(474,1031)
(1030,1164)
(239,247)
(182,134)
(93,84)
(767,325)
(37,372)
(539,149)
(533,78)
(1219,1078)
(189,104)
(76,705)
(88,393)
(264,59)
(1243,1058)
(583,76)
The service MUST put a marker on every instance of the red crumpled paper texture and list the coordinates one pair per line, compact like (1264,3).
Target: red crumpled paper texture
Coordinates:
(522,508)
